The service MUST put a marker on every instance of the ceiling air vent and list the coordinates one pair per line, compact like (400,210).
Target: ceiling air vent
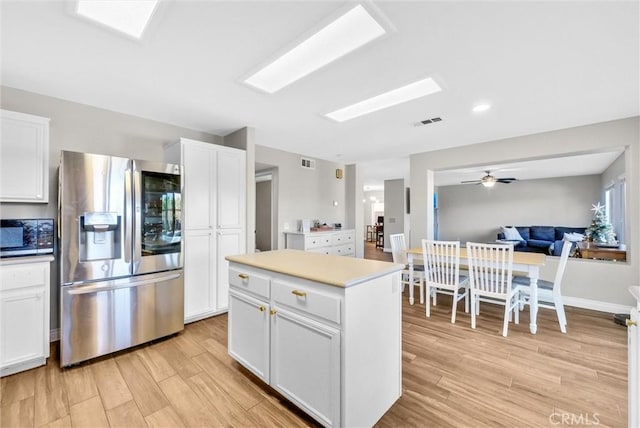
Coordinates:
(428,121)
(307,163)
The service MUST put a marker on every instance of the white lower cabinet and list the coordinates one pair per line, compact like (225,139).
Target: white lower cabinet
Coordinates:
(633,334)
(199,280)
(24,313)
(249,333)
(305,364)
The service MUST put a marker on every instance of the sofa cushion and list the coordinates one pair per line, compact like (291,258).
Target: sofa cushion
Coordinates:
(539,243)
(511,234)
(525,232)
(543,233)
(560,231)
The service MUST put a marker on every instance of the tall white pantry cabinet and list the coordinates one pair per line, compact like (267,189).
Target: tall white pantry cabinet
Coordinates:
(214,221)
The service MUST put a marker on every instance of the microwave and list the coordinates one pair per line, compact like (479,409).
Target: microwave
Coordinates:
(26,237)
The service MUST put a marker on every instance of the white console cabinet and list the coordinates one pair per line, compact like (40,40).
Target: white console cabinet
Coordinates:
(336,242)
(312,336)
(24,158)
(633,333)
(24,313)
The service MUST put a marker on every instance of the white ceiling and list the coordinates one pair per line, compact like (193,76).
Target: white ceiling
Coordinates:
(542,65)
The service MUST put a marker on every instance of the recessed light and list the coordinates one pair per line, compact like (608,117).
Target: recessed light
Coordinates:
(409,92)
(481,107)
(130,17)
(344,35)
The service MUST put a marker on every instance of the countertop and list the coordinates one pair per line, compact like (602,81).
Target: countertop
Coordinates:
(318,231)
(26,259)
(339,271)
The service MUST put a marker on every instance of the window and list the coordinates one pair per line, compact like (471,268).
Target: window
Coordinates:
(615,206)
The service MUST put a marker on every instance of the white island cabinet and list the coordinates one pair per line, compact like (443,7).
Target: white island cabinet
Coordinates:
(24,313)
(323,330)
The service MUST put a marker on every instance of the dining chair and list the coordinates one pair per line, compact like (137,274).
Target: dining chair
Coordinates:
(490,277)
(548,292)
(399,253)
(442,274)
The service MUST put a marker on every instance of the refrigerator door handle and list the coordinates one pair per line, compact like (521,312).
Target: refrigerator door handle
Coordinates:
(128,223)
(94,288)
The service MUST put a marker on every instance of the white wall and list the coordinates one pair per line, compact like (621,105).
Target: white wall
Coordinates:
(591,280)
(354,207)
(82,128)
(475,213)
(304,193)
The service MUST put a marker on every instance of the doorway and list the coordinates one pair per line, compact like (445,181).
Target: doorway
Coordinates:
(266,213)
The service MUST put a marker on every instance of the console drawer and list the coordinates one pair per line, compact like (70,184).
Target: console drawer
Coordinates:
(340,238)
(307,301)
(249,280)
(317,241)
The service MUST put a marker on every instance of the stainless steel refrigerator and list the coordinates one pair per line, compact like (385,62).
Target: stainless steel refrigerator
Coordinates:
(120,254)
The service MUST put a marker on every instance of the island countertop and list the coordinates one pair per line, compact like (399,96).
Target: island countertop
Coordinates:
(338,271)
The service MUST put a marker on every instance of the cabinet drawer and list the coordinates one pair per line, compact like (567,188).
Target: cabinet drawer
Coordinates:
(308,301)
(344,250)
(322,250)
(26,275)
(342,238)
(317,241)
(249,280)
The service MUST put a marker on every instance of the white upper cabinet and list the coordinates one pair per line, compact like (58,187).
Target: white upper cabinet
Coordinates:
(24,158)
(199,186)
(231,188)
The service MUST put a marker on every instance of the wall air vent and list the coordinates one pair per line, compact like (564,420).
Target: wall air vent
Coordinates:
(428,121)
(307,163)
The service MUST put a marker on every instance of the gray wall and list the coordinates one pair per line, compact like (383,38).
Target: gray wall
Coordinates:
(394,209)
(354,207)
(82,128)
(585,281)
(475,213)
(263,215)
(304,193)
(613,172)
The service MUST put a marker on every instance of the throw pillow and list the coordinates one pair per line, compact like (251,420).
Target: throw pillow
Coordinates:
(573,237)
(511,234)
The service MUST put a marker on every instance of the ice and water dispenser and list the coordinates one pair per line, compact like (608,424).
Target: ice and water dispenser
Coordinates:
(100,236)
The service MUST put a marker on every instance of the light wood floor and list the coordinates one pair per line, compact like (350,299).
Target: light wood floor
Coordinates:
(452,376)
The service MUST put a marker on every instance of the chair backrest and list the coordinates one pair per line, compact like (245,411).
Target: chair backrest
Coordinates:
(441,262)
(566,249)
(490,268)
(398,248)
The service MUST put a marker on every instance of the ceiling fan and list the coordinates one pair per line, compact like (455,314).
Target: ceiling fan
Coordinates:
(489,180)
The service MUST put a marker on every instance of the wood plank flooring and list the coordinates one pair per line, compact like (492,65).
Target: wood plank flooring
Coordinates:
(453,376)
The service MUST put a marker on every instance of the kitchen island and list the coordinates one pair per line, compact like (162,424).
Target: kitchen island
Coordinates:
(323,330)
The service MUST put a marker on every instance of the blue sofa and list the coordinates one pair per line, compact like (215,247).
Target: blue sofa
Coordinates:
(543,239)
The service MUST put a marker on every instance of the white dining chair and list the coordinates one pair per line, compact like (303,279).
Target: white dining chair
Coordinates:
(549,295)
(442,274)
(490,277)
(399,253)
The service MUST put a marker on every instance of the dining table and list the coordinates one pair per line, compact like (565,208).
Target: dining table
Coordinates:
(525,262)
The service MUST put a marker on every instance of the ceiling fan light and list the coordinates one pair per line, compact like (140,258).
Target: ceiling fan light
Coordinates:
(488,183)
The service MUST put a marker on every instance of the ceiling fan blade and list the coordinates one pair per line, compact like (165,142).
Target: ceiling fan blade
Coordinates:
(506,180)
(471,182)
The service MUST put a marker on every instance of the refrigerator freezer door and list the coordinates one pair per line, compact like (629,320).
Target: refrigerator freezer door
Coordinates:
(94,203)
(108,316)
(157,236)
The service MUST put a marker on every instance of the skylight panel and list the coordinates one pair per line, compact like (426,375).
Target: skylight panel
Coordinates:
(130,17)
(409,92)
(344,35)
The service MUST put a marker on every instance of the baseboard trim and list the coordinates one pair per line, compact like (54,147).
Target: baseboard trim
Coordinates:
(54,335)
(596,305)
